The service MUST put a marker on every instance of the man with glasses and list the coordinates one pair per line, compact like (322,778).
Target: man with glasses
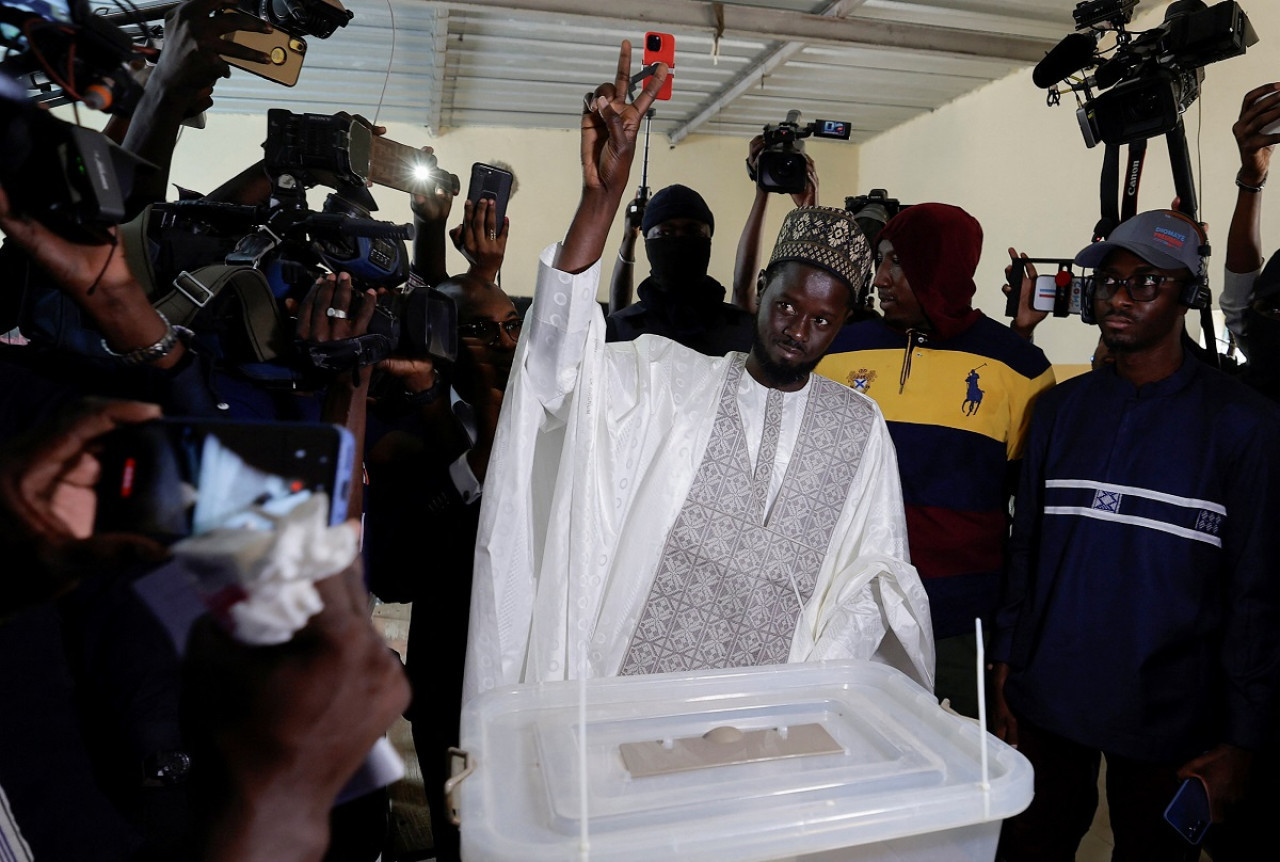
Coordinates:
(1141,621)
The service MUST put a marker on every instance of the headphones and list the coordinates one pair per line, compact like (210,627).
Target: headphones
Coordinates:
(1195,293)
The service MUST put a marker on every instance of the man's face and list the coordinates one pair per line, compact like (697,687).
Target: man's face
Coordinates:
(1129,326)
(488,324)
(898,302)
(801,310)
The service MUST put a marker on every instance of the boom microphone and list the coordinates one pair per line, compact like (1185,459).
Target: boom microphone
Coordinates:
(1072,54)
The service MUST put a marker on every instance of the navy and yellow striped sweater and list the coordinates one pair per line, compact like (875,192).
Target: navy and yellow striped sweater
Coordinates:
(958,411)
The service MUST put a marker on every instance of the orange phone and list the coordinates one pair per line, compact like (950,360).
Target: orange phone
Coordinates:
(660,48)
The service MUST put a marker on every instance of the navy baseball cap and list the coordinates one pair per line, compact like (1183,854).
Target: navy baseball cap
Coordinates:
(1163,238)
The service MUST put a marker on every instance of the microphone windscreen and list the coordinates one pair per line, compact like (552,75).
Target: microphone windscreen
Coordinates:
(1073,53)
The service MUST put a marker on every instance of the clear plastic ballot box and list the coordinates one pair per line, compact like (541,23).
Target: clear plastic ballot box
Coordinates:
(847,760)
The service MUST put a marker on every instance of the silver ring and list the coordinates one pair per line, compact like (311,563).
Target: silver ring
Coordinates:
(493,234)
(337,312)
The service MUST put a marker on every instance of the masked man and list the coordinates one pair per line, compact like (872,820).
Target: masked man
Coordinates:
(678,299)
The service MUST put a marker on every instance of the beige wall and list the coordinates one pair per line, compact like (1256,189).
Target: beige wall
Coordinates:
(546,165)
(1023,170)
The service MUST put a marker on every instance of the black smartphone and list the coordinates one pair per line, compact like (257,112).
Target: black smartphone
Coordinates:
(173,478)
(1188,813)
(494,183)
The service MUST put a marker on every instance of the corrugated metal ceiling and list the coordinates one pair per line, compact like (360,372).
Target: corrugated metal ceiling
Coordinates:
(739,65)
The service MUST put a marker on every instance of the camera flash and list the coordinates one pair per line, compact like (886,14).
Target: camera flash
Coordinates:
(422,173)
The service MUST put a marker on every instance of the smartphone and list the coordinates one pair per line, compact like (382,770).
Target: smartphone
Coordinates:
(285,50)
(493,183)
(1189,811)
(407,169)
(173,478)
(660,48)
(1269,128)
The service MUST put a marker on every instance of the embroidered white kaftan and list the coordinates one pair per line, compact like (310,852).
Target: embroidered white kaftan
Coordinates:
(597,448)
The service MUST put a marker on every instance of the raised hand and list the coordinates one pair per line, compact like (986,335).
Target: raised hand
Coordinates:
(1261,109)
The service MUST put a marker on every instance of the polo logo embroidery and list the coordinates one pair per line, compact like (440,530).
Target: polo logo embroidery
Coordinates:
(1107,501)
(1209,522)
(973,398)
(861,380)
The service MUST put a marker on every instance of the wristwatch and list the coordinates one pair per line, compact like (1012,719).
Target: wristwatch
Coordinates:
(159,350)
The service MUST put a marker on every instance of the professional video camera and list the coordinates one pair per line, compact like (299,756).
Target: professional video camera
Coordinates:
(872,212)
(781,165)
(317,18)
(71,179)
(290,244)
(1151,77)
(66,44)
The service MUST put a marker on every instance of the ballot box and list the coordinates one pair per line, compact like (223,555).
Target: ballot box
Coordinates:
(845,760)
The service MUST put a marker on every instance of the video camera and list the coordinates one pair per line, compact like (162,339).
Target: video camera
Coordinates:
(781,166)
(291,244)
(319,18)
(67,45)
(73,180)
(872,212)
(1151,77)
(341,150)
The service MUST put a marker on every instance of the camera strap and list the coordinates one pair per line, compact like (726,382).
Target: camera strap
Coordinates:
(1119,194)
(194,290)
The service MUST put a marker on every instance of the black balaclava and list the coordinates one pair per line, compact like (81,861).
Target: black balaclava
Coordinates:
(677,263)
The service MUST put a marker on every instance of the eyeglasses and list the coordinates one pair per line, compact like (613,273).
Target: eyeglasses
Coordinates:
(1143,287)
(490,331)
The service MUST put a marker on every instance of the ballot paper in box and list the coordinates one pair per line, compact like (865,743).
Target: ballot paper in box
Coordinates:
(847,760)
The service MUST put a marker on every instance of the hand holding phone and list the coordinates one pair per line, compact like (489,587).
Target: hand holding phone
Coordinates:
(493,183)
(1188,812)
(660,48)
(262,49)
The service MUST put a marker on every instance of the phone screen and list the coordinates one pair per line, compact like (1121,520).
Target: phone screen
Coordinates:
(661,48)
(174,478)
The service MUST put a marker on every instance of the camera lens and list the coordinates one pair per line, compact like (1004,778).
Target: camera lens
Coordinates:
(654,42)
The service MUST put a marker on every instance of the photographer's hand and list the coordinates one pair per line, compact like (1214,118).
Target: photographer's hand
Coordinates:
(181,85)
(1028,318)
(480,240)
(609,128)
(98,279)
(333,310)
(808,197)
(746,264)
(48,505)
(431,217)
(1260,108)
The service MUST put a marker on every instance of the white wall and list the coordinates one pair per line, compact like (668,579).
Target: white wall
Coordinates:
(547,169)
(1023,171)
